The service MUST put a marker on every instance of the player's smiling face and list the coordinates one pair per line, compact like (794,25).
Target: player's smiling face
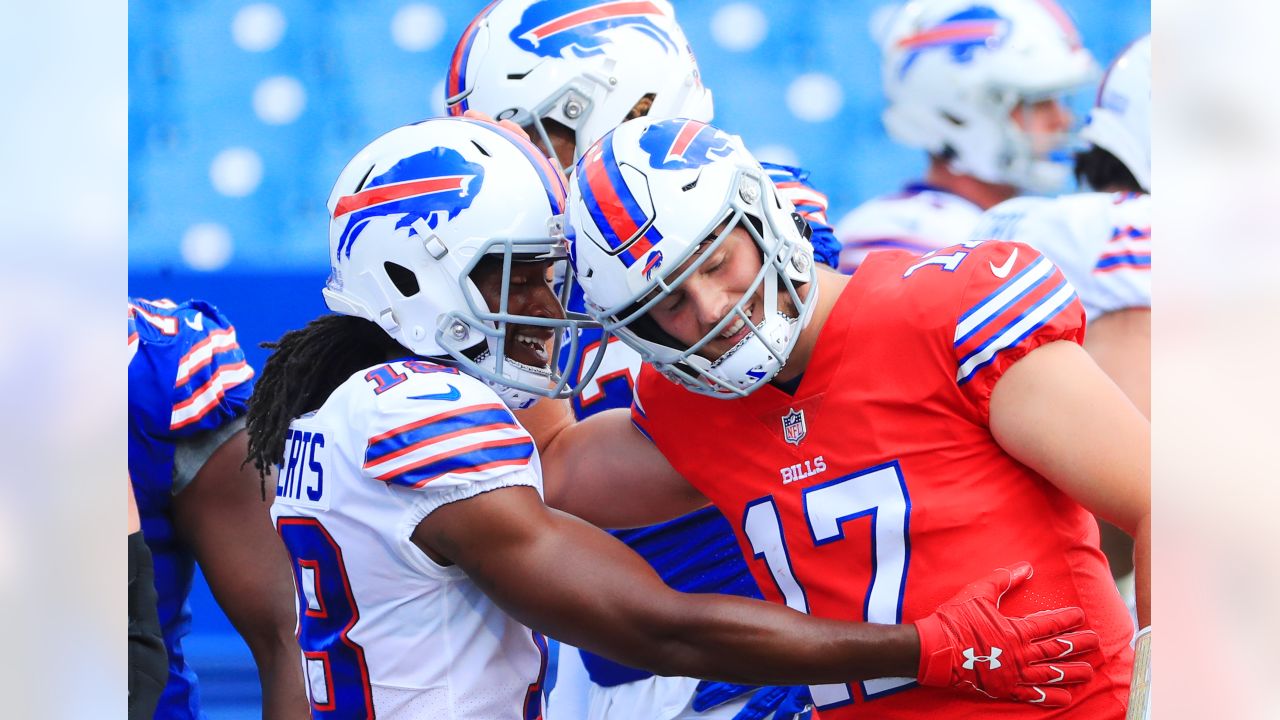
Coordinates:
(699,303)
(530,294)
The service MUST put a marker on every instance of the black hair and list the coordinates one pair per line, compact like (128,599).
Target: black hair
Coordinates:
(1100,170)
(306,367)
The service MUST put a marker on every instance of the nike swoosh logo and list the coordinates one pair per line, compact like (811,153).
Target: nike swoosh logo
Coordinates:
(197,324)
(1003,270)
(450,396)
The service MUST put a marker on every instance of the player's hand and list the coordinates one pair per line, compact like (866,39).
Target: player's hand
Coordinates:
(486,117)
(1033,659)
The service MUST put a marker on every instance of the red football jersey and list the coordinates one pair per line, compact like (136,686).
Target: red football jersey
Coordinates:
(877,491)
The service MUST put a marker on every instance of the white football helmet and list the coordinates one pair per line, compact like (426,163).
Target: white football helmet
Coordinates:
(954,70)
(582,63)
(641,202)
(1120,121)
(411,216)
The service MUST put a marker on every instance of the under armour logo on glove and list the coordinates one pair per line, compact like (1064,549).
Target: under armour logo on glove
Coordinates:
(1038,654)
(971,658)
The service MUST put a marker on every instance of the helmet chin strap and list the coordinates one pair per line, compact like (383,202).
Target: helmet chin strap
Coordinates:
(513,371)
(757,358)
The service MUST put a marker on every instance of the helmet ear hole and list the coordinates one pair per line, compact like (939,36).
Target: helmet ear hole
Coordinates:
(802,225)
(403,278)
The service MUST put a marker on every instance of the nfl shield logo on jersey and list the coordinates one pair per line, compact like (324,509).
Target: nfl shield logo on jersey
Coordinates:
(793,429)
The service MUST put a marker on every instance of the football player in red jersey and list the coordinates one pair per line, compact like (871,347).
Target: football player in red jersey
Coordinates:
(876,439)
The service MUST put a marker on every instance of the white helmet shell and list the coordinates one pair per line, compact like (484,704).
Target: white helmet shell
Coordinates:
(582,63)
(954,70)
(1120,121)
(642,201)
(410,216)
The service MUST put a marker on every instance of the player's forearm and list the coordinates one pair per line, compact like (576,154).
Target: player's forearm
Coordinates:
(283,694)
(575,583)
(279,660)
(266,624)
(746,641)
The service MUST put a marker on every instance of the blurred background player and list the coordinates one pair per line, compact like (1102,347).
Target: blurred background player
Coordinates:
(410,498)
(1102,242)
(188,385)
(979,86)
(869,435)
(569,71)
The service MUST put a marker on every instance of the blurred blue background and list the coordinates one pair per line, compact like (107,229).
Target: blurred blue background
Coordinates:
(241,114)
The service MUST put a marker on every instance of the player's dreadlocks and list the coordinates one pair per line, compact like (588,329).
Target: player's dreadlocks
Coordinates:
(1102,171)
(306,367)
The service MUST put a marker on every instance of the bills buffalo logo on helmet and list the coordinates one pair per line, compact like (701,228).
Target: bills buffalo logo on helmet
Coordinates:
(962,34)
(652,263)
(551,27)
(677,144)
(432,186)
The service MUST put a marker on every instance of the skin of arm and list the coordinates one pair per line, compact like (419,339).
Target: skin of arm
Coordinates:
(135,522)
(546,420)
(224,519)
(589,465)
(1120,342)
(565,578)
(1058,413)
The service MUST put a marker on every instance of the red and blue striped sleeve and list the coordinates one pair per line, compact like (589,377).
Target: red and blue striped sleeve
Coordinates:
(811,204)
(199,379)
(470,442)
(1122,270)
(212,380)
(1016,300)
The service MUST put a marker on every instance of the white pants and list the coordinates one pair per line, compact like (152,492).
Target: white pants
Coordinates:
(575,697)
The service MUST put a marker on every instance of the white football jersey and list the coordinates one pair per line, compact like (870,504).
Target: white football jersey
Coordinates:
(919,219)
(384,630)
(1101,241)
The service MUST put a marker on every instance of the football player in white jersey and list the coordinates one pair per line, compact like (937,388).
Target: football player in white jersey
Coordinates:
(409,497)
(1102,242)
(569,71)
(977,85)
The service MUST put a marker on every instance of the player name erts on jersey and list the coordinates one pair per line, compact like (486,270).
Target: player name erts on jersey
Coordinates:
(391,445)
(876,490)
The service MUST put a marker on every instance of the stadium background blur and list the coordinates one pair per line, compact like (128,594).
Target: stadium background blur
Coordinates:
(241,114)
